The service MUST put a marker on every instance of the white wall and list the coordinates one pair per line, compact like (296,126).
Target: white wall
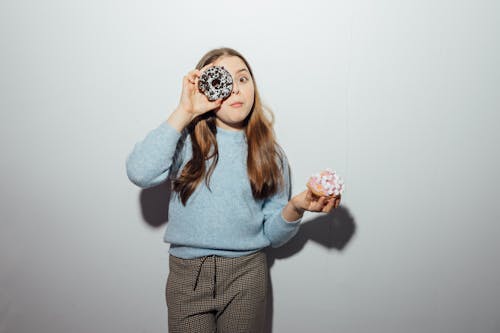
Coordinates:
(400,97)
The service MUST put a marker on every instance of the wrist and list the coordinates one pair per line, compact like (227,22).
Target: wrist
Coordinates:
(290,213)
(184,113)
(297,207)
(179,118)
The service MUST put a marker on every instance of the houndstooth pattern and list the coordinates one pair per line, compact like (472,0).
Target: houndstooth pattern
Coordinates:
(241,298)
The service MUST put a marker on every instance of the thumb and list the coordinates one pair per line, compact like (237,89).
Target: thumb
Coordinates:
(217,102)
(309,195)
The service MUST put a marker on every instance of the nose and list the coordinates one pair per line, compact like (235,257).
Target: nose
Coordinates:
(236,90)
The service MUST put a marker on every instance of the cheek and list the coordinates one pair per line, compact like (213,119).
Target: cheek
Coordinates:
(249,93)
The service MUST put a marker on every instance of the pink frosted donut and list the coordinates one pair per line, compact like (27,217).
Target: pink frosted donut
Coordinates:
(326,183)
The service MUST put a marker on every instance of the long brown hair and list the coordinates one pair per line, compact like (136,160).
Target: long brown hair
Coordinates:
(264,172)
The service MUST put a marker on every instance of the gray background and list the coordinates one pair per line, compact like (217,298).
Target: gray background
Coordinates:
(401,98)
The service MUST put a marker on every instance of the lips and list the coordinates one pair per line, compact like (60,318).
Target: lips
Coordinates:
(237,104)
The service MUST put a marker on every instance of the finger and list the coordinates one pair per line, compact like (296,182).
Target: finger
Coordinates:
(216,103)
(186,82)
(329,205)
(337,202)
(315,197)
(309,195)
(320,203)
(196,80)
(192,75)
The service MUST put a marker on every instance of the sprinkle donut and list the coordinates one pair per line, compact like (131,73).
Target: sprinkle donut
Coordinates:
(326,183)
(216,82)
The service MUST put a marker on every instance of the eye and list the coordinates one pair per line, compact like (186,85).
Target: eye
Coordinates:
(243,79)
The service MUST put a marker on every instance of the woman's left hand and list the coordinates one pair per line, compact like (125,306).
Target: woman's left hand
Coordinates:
(307,200)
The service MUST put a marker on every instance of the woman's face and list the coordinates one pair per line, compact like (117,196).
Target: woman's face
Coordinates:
(233,110)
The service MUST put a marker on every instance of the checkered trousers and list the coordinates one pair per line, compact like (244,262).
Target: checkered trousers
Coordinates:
(217,294)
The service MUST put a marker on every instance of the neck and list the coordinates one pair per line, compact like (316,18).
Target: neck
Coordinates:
(227,127)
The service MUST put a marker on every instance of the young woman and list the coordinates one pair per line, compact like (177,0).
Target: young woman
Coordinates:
(231,198)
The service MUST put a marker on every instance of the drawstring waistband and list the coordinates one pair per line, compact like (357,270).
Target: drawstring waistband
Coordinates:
(215,273)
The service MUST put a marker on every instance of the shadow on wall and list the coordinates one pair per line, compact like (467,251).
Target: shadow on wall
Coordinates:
(154,204)
(332,230)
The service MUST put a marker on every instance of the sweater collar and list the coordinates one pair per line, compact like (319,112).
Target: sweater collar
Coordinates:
(223,133)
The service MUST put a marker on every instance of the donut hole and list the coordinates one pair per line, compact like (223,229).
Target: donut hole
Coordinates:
(215,83)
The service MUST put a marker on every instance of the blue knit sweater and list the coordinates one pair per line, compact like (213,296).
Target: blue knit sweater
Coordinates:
(226,221)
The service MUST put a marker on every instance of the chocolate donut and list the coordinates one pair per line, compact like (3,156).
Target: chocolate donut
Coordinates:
(216,82)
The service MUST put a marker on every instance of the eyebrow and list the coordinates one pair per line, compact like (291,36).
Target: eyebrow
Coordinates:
(241,70)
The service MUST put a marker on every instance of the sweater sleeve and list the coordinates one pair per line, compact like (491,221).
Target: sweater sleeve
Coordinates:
(276,228)
(150,161)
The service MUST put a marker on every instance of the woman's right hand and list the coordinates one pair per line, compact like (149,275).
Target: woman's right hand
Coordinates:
(192,100)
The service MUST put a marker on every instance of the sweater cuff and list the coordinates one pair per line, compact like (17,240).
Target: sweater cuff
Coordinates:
(292,223)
